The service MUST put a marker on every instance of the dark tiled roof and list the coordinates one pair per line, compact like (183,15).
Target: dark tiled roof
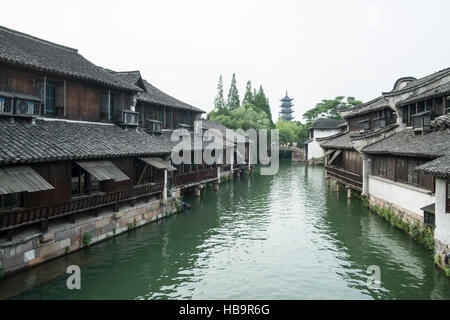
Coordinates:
(439,167)
(422,81)
(406,143)
(150,93)
(24,50)
(53,140)
(432,93)
(342,141)
(156,96)
(370,106)
(328,124)
(441,122)
(130,77)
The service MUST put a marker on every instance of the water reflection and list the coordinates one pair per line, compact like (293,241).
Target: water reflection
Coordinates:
(288,236)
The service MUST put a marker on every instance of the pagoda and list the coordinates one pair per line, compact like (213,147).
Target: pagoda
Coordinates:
(286,108)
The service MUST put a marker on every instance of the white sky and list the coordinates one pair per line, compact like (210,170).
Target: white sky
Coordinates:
(314,49)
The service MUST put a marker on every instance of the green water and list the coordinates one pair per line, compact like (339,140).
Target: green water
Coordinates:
(287,236)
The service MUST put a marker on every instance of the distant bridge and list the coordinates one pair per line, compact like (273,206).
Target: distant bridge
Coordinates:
(298,154)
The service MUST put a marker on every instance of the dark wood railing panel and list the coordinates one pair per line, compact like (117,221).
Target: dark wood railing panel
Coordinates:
(21,217)
(194,177)
(347,177)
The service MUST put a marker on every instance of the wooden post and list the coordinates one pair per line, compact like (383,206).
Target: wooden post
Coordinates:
(45,94)
(409,115)
(444,111)
(338,186)
(349,193)
(164,193)
(65,99)
(109,105)
(44,225)
(197,192)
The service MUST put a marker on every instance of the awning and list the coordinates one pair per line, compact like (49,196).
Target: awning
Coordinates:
(21,179)
(335,156)
(158,163)
(429,209)
(103,170)
(326,154)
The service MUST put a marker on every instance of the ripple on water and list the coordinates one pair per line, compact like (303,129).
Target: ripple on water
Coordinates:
(283,237)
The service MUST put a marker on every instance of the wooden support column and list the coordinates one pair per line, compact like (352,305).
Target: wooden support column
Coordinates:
(10,235)
(409,115)
(65,98)
(45,94)
(349,193)
(164,193)
(338,186)
(44,225)
(197,192)
(444,109)
(109,106)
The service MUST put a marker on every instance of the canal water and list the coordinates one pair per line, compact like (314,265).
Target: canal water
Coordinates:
(287,236)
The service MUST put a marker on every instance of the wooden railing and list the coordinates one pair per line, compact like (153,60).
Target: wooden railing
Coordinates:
(194,177)
(18,218)
(349,178)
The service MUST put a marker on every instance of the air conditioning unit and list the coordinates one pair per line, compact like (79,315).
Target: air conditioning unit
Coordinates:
(130,117)
(24,107)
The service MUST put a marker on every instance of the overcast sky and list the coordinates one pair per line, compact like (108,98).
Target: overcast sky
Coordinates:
(313,49)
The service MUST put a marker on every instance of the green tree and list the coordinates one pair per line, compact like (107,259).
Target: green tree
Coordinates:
(244,117)
(261,103)
(233,101)
(219,101)
(329,109)
(248,96)
(292,131)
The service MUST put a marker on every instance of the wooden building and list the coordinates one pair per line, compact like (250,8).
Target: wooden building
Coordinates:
(70,143)
(157,107)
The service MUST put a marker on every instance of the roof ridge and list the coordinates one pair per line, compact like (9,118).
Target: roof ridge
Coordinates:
(26,35)
(133,71)
(420,82)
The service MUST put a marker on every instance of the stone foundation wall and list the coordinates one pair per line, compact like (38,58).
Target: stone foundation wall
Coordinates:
(401,212)
(33,249)
(440,251)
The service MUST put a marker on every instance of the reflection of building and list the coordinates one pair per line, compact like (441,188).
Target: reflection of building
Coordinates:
(322,128)
(82,146)
(286,108)
(396,152)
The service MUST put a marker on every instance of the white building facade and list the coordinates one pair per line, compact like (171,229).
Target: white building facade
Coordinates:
(321,129)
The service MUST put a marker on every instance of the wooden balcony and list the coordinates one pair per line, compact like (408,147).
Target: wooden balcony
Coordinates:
(192,178)
(350,179)
(11,220)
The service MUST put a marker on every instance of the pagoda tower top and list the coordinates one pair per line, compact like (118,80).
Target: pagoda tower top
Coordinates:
(286,108)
